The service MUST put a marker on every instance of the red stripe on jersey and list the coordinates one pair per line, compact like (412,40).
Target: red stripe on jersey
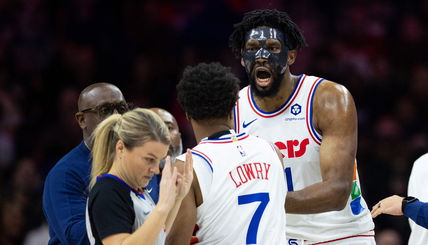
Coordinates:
(237,121)
(209,159)
(339,239)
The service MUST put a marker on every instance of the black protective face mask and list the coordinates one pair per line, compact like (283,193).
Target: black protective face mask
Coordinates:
(258,57)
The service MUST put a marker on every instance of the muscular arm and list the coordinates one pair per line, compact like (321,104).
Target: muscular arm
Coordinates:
(335,118)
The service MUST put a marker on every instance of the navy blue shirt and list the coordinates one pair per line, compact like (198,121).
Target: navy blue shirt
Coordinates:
(64,197)
(418,212)
(65,193)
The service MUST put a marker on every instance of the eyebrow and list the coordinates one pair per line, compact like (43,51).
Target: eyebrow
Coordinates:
(169,123)
(153,155)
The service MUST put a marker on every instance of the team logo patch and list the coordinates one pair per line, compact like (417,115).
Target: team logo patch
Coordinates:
(296,109)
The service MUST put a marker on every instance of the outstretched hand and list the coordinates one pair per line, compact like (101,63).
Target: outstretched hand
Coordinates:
(390,205)
(185,179)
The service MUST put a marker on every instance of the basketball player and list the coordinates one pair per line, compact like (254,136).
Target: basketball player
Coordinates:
(312,121)
(237,195)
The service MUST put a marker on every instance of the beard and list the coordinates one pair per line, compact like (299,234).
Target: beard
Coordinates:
(270,91)
(173,152)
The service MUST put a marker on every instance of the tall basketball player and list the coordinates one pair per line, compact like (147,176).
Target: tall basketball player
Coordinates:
(313,122)
(238,193)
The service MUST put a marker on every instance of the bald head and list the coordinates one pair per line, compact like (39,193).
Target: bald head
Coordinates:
(176,146)
(91,97)
(98,94)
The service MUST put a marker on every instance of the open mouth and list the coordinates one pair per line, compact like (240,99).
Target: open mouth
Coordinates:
(263,76)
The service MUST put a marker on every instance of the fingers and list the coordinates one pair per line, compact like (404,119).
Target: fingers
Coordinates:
(167,167)
(188,167)
(179,178)
(169,174)
(174,175)
(189,162)
(376,210)
(375,213)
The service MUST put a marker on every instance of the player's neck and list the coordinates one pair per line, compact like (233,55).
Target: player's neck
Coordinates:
(273,103)
(206,128)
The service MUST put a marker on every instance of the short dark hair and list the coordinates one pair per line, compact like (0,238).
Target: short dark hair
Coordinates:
(266,17)
(208,91)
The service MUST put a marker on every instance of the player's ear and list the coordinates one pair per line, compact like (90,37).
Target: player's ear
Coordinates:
(242,59)
(292,54)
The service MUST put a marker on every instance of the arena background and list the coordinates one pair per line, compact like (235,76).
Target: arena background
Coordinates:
(51,49)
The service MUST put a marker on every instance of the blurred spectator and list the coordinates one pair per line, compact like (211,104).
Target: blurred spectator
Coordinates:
(388,237)
(38,236)
(12,223)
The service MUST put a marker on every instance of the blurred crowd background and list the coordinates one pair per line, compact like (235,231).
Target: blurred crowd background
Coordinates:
(51,49)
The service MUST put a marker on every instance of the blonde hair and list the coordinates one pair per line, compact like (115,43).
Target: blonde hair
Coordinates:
(134,128)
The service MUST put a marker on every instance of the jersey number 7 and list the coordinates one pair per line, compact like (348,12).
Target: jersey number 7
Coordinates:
(263,198)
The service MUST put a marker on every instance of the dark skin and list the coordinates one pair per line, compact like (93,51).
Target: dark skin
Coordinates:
(335,118)
(184,224)
(92,96)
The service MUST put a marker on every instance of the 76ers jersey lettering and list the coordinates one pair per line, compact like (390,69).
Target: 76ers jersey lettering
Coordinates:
(290,129)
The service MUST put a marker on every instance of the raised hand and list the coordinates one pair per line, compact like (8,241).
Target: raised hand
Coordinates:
(168,185)
(184,180)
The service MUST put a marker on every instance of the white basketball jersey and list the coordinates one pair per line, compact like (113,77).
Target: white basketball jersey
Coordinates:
(290,129)
(241,181)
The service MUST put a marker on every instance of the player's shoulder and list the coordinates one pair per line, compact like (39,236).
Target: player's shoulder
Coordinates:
(258,142)
(254,138)
(332,103)
(243,90)
(421,162)
(198,150)
(329,87)
(331,93)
